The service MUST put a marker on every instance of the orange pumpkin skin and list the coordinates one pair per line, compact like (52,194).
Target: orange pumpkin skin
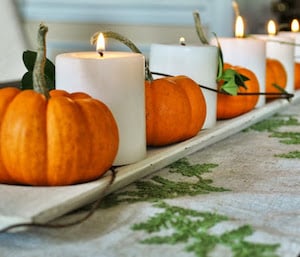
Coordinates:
(275,73)
(175,110)
(297,76)
(67,139)
(229,106)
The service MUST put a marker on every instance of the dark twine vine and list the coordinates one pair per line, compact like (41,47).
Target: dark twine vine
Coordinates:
(283,95)
(80,220)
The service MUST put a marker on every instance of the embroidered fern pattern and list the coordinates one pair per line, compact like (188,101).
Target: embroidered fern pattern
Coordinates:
(192,228)
(272,125)
(158,187)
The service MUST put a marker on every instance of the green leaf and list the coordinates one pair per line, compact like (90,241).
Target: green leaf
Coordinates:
(29,60)
(283,91)
(27,81)
(220,58)
(229,74)
(240,79)
(232,81)
(279,88)
(220,68)
(230,87)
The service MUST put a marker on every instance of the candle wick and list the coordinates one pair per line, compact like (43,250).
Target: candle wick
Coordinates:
(100,53)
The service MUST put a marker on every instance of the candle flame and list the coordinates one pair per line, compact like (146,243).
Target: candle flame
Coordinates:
(272,28)
(239,27)
(295,25)
(100,43)
(182,41)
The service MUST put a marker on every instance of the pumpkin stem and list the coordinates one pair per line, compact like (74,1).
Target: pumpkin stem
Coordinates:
(125,41)
(199,28)
(39,81)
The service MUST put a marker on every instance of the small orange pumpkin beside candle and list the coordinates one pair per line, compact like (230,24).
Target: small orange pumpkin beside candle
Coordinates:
(175,110)
(63,140)
(275,74)
(53,138)
(230,106)
(297,76)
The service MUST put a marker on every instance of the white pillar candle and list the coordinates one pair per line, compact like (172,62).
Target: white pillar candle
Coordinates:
(296,37)
(200,63)
(117,79)
(295,34)
(249,53)
(281,49)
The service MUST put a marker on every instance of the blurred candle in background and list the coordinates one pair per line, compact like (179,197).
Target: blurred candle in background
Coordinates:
(295,34)
(247,52)
(280,48)
(200,63)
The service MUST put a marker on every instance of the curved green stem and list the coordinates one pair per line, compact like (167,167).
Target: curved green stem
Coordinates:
(199,28)
(117,36)
(125,41)
(39,81)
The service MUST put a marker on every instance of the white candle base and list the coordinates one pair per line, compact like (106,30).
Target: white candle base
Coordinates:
(117,79)
(249,53)
(200,63)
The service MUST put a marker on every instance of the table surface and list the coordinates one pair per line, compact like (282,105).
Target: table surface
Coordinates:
(238,197)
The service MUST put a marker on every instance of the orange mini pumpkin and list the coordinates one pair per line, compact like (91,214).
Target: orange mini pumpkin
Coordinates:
(175,110)
(275,74)
(230,106)
(297,75)
(63,140)
(53,138)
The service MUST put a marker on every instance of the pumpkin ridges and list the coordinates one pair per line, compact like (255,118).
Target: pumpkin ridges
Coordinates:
(66,134)
(58,92)
(7,95)
(86,133)
(149,103)
(92,135)
(75,95)
(104,146)
(23,125)
(297,75)
(229,106)
(275,74)
(196,103)
(167,105)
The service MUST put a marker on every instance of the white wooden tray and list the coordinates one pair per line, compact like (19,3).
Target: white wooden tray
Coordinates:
(41,204)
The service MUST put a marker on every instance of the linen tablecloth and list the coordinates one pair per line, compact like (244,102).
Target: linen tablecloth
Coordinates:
(239,197)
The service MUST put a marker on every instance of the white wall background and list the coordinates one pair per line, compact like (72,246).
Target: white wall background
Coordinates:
(12,43)
(72,22)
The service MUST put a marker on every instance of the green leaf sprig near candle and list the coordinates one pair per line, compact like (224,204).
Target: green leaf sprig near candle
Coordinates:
(45,69)
(231,78)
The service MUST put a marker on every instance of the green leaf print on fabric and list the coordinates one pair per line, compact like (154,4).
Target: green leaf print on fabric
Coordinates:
(273,125)
(158,187)
(289,138)
(192,228)
(290,155)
